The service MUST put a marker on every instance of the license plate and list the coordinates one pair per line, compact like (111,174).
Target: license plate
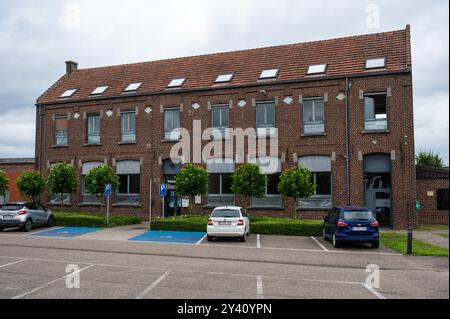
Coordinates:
(225,223)
(359,228)
(8,217)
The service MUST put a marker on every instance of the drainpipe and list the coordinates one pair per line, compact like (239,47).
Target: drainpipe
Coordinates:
(347,145)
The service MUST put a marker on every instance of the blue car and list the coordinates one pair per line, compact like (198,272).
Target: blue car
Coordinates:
(345,224)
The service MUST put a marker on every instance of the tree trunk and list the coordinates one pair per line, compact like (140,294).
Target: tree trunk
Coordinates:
(294,208)
(62,200)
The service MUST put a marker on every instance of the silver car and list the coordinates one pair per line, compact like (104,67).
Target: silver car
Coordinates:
(25,215)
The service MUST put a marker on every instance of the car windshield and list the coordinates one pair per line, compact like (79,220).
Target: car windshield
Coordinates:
(11,207)
(358,215)
(226,213)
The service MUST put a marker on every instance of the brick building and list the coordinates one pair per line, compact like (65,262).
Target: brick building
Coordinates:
(432,193)
(13,167)
(342,107)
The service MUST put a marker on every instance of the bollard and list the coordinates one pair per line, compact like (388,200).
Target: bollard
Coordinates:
(409,242)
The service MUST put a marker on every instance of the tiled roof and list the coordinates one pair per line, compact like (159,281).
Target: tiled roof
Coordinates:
(424,172)
(343,56)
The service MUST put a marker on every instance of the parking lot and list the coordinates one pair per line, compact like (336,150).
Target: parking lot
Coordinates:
(110,265)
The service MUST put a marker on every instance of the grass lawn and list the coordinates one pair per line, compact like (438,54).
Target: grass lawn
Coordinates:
(258,225)
(397,241)
(80,219)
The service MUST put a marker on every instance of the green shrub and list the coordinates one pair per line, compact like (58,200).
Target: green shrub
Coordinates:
(258,225)
(75,219)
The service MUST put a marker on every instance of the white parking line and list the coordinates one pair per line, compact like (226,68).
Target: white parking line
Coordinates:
(258,241)
(50,283)
(259,288)
(42,231)
(317,242)
(200,241)
(372,290)
(13,263)
(153,285)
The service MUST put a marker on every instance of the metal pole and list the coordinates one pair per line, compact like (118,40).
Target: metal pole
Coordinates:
(150,208)
(409,242)
(107,210)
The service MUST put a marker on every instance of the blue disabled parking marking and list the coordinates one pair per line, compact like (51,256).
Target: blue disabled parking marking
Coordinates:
(164,236)
(68,232)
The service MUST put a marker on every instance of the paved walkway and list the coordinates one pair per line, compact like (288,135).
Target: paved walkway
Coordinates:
(118,233)
(433,237)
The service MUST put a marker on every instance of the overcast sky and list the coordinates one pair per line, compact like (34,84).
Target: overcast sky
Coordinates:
(36,37)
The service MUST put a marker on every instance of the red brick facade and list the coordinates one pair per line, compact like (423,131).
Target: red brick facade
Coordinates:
(13,168)
(150,150)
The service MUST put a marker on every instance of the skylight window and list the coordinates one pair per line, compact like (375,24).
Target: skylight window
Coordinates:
(317,68)
(269,74)
(133,87)
(68,93)
(100,90)
(176,83)
(223,78)
(375,63)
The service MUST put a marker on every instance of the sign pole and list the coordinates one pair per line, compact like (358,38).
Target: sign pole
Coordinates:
(150,208)
(107,210)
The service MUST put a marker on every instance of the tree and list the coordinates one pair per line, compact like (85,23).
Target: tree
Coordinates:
(62,180)
(248,181)
(4,182)
(296,183)
(430,159)
(191,181)
(96,180)
(31,184)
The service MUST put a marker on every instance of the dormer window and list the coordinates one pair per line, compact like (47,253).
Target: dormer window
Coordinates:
(100,90)
(375,63)
(316,69)
(224,78)
(269,74)
(133,87)
(68,93)
(175,83)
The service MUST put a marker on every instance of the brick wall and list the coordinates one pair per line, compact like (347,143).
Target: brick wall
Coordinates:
(430,214)
(13,171)
(150,149)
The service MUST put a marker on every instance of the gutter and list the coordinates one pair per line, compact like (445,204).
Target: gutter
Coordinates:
(217,88)
(347,145)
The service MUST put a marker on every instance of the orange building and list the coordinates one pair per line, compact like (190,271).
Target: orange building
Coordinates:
(13,167)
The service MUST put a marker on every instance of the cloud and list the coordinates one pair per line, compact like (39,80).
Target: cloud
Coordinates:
(36,37)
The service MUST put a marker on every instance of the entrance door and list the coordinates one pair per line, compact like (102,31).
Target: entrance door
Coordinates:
(379,202)
(172,204)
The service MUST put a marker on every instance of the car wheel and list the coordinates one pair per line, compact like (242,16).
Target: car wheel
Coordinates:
(51,221)
(324,234)
(209,238)
(244,238)
(375,245)
(27,226)
(336,243)
(1,229)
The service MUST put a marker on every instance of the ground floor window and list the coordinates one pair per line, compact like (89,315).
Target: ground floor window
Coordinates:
(4,199)
(87,198)
(130,182)
(55,199)
(219,184)
(442,199)
(320,168)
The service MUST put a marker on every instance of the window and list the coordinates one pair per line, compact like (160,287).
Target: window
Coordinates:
(317,69)
(272,184)
(320,168)
(128,127)
(93,129)
(172,124)
(375,63)
(61,136)
(68,93)
(87,198)
(313,116)
(220,121)
(99,90)
(55,199)
(375,112)
(271,167)
(269,74)
(176,83)
(133,87)
(265,119)
(130,180)
(223,78)
(442,199)
(219,183)
(5,198)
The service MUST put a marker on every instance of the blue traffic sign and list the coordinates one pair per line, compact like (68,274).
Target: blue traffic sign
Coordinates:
(108,190)
(163,189)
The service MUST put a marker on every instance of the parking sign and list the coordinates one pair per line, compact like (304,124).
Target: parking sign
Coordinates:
(163,190)
(108,190)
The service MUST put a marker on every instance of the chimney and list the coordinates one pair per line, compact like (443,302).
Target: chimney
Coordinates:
(71,67)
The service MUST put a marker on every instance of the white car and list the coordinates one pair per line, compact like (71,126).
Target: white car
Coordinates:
(228,221)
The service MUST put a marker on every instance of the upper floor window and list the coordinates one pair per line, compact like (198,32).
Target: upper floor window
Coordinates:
(128,127)
(93,129)
(68,93)
(176,83)
(313,116)
(100,90)
(172,124)
(265,119)
(375,63)
(133,87)
(224,78)
(269,74)
(317,69)
(220,120)
(375,112)
(61,136)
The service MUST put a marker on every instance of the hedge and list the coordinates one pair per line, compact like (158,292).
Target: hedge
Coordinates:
(258,225)
(76,219)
